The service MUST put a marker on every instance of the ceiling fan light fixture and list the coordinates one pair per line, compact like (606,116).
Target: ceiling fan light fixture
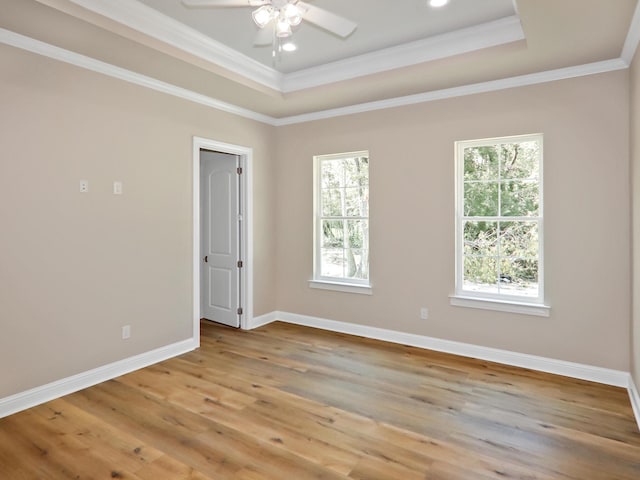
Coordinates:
(289,47)
(263,15)
(292,13)
(283,28)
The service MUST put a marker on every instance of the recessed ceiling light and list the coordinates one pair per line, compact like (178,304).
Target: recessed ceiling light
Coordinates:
(289,47)
(438,3)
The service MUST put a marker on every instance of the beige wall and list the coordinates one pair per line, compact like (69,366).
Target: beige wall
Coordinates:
(76,267)
(587,211)
(635,168)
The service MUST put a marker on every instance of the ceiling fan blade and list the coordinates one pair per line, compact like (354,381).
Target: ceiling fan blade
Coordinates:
(328,21)
(265,35)
(224,3)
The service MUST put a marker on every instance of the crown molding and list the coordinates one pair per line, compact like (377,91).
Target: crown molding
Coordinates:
(633,37)
(142,18)
(16,40)
(151,22)
(159,26)
(32,45)
(490,34)
(484,87)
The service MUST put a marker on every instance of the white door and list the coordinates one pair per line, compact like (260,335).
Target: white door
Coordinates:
(220,286)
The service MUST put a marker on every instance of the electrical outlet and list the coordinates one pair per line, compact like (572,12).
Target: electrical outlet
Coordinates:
(84,186)
(424,313)
(117,187)
(126,332)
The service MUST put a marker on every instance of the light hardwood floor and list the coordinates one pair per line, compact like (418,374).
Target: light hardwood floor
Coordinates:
(294,403)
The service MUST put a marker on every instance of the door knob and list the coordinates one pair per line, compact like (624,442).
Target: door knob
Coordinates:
(206,259)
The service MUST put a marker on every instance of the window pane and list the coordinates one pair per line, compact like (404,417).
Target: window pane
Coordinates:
(480,271)
(519,239)
(357,201)
(481,238)
(519,277)
(500,179)
(357,233)
(519,199)
(520,160)
(332,262)
(481,163)
(333,233)
(332,173)
(357,263)
(341,189)
(356,172)
(332,202)
(481,199)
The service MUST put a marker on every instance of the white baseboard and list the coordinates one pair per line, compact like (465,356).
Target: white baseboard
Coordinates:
(635,399)
(261,320)
(607,376)
(36,396)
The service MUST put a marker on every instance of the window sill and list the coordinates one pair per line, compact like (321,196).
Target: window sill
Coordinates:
(341,287)
(500,305)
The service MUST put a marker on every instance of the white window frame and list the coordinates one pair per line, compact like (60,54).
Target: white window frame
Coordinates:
(343,284)
(497,301)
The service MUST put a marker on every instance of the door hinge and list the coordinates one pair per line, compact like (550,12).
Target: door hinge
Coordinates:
(239,170)
(240,264)
(239,310)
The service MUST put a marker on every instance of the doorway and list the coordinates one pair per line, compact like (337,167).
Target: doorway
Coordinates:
(220,239)
(222,264)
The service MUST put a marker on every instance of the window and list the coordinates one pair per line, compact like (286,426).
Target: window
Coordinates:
(341,222)
(499,222)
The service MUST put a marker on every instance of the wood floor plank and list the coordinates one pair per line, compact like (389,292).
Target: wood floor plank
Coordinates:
(249,422)
(124,451)
(167,383)
(289,402)
(236,415)
(168,467)
(20,458)
(63,455)
(172,430)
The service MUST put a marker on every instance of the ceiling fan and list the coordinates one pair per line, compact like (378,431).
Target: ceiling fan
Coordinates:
(277,17)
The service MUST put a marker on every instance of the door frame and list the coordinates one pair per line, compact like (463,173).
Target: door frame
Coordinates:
(245,155)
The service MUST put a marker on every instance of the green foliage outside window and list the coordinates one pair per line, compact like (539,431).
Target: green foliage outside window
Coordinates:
(344,210)
(501,203)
